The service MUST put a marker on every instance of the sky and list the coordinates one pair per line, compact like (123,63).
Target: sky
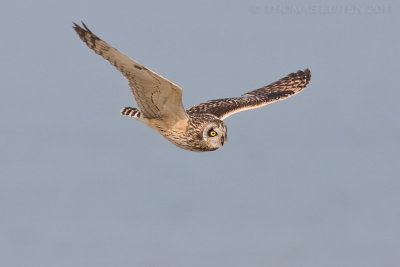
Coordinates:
(309,181)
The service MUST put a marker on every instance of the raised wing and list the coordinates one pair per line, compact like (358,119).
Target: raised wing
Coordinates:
(157,97)
(279,90)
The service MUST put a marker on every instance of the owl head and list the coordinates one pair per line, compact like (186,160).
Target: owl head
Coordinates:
(206,132)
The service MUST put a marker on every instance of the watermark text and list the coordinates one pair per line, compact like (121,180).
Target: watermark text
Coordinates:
(298,10)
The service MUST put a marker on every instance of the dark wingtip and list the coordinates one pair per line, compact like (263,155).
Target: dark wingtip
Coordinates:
(79,28)
(84,25)
(307,73)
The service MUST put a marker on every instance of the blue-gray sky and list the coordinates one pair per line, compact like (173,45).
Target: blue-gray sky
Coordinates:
(309,181)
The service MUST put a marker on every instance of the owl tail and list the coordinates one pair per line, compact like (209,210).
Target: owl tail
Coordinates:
(131,112)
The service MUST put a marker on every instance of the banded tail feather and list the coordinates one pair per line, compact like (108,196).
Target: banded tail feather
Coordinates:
(131,112)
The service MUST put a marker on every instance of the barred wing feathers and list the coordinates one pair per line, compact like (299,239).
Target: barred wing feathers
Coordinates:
(279,90)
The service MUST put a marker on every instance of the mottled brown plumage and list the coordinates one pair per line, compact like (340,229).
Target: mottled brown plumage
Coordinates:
(199,128)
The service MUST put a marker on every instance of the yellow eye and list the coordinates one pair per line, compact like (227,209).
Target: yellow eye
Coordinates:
(212,133)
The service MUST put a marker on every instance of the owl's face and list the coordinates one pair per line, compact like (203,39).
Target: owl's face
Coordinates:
(214,135)
(206,133)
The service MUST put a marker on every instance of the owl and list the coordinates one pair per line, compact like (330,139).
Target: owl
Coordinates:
(159,101)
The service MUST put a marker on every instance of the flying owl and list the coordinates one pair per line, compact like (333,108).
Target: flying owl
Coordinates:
(200,128)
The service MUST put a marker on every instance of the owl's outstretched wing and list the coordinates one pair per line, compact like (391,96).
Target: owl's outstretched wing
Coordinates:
(279,90)
(157,97)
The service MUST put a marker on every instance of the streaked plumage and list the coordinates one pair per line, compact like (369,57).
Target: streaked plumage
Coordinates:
(159,101)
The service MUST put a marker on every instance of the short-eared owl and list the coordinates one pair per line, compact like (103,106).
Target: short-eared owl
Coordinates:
(159,101)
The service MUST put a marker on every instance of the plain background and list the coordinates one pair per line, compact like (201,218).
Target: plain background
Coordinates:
(310,181)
